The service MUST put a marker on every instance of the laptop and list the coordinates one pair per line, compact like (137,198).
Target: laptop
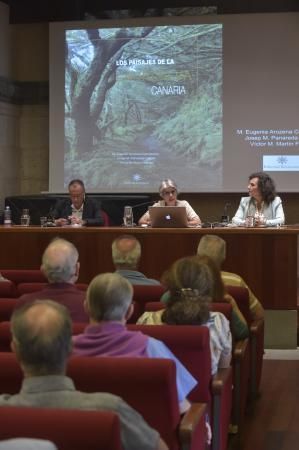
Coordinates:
(168,216)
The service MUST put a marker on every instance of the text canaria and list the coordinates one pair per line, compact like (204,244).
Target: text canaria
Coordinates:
(168,90)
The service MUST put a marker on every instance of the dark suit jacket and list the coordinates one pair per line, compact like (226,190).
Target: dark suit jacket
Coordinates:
(91,211)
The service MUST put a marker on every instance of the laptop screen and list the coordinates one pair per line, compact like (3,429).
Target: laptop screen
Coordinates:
(168,217)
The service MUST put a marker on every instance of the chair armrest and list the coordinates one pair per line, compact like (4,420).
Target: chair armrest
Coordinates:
(241,362)
(256,326)
(220,379)
(256,355)
(240,350)
(221,390)
(192,431)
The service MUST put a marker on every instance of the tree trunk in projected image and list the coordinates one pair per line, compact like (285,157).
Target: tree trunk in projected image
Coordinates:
(95,82)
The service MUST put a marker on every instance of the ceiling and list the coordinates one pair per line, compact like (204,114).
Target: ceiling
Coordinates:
(26,11)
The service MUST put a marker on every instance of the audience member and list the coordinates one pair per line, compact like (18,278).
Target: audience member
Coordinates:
(27,444)
(126,254)
(42,342)
(215,247)
(217,293)
(77,209)
(60,264)
(109,304)
(192,286)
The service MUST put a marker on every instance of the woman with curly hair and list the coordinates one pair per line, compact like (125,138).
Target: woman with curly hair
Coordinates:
(262,203)
(193,283)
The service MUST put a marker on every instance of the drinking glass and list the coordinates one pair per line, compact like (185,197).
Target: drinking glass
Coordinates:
(25,218)
(249,221)
(43,221)
(128,216)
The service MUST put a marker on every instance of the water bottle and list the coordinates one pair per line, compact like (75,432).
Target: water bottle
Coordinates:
(7,216)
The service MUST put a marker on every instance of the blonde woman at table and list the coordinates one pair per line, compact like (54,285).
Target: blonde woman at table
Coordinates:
(262,204)
(168,192)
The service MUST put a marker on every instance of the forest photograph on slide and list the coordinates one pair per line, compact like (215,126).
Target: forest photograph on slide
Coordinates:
(143,104)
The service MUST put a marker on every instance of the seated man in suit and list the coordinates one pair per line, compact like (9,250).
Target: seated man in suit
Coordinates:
(77,209)
(126,254)
(109,304)
(215,247)
(60,264)
(42,342)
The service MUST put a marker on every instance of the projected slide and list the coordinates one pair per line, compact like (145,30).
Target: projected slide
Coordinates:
(143,104)
(204,100)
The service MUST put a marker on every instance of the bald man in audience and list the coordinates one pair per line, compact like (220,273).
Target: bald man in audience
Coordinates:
(42,342)
(60,264)
(126,254)
(215,247)
(26,444)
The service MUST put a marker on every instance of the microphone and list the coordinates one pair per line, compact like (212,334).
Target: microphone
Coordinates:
(143,204)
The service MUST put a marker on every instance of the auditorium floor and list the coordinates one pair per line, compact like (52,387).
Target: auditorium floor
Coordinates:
(273,422)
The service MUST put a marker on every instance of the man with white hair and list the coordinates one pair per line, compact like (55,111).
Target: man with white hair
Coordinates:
(126,254)
(60,265)
(109,305)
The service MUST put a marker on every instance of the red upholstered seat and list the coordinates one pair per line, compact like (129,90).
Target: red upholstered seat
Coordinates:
(191,345)
(240,363)
(142,295)
(67,429)
(7,305)
(8,289)
(24,275)
(78,327)
(256,337)
(5,337)
(148,385)
(5,333)
(27,288)
(106,218)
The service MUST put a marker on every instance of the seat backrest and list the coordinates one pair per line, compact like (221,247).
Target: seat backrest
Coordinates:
(5,337)
(241,296)
(8,289)
(68,429)
(191,345)
(11,376)
(148,385)
(78,327)
(224,308)
(27,288)
(81,286)
(5,333)
(7,305)
(105,218)
(143,294)
(24,275)
(154,306)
